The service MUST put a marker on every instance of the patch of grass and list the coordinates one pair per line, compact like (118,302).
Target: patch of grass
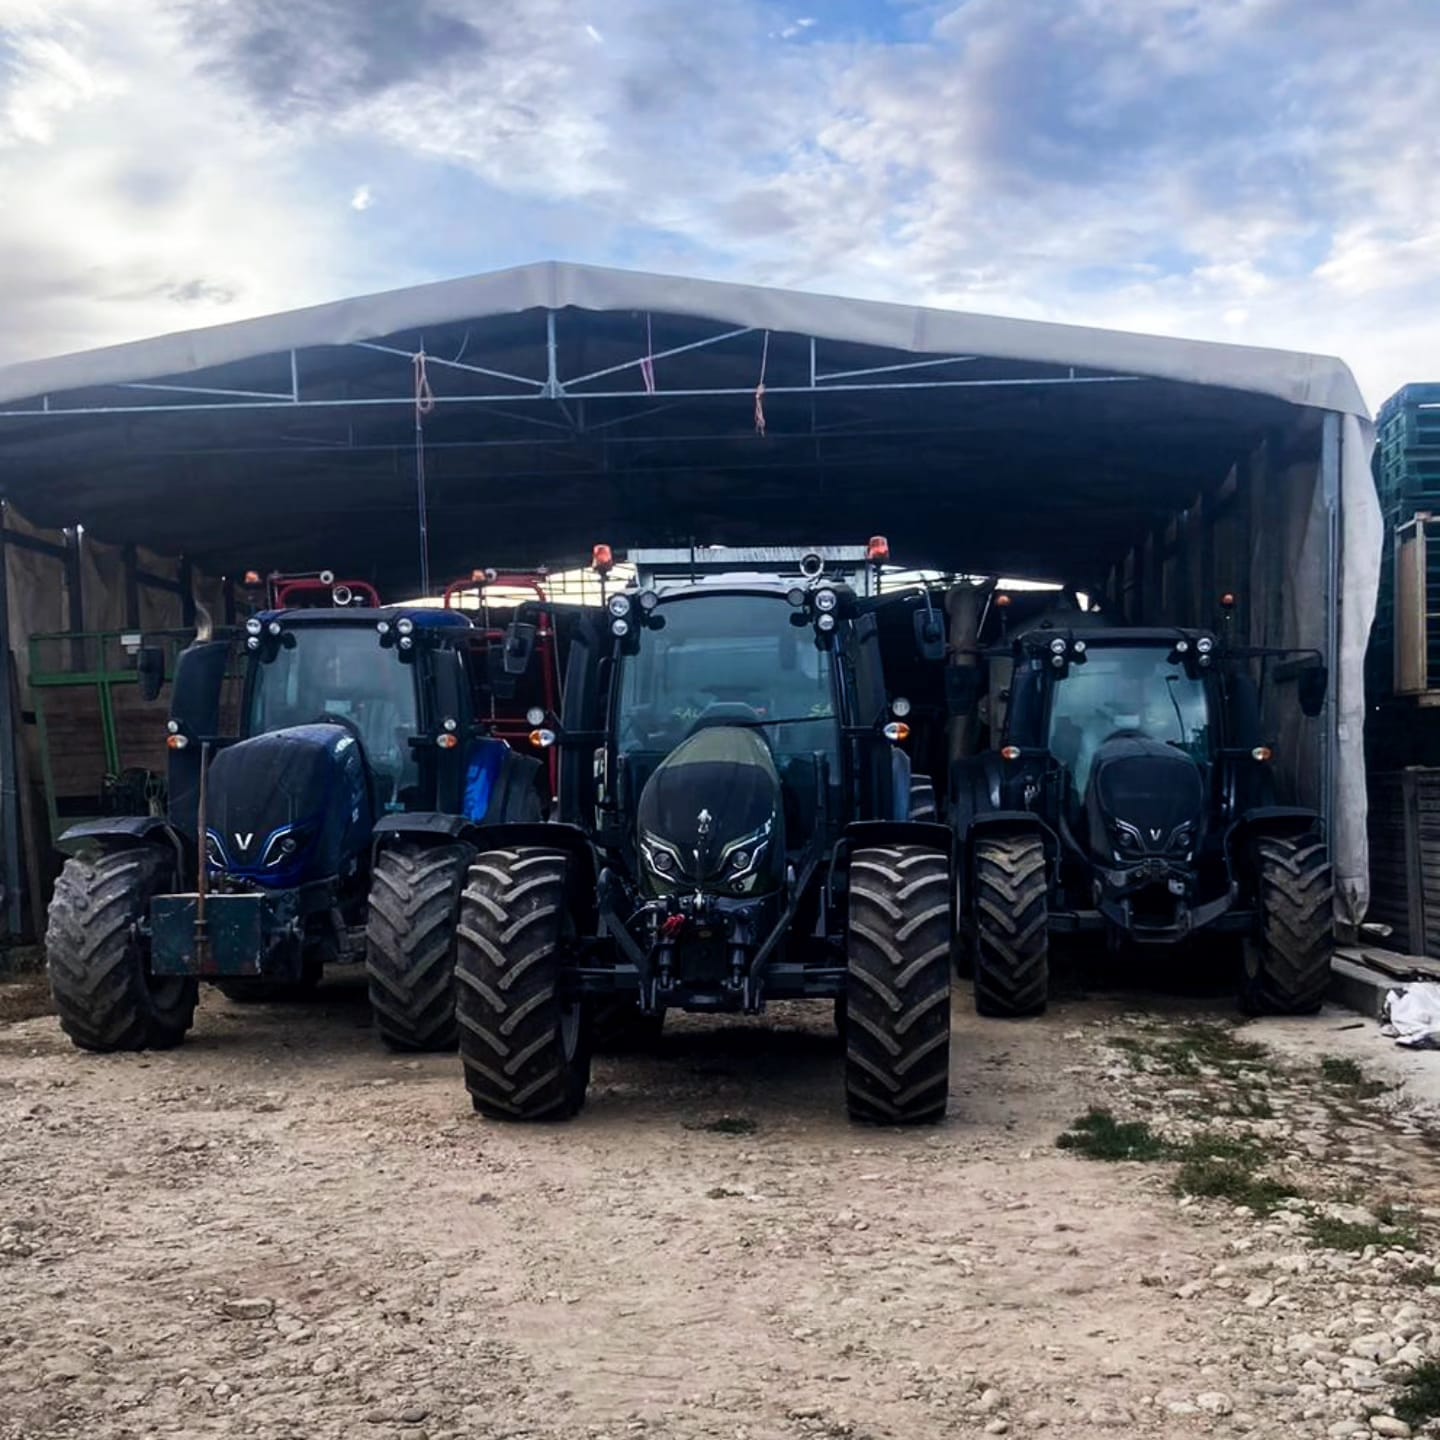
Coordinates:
(1347,1235)
(1098,1135)
(725,1125)
(1244,1150)
(1346,1074)
(1234,1180)
(1419,1399)
(1191,1049)
(1339,1071)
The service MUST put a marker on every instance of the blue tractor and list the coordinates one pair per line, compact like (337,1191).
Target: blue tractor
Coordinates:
(337,782)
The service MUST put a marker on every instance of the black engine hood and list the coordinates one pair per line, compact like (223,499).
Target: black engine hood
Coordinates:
(711,815)
(287,806)
(1145,799)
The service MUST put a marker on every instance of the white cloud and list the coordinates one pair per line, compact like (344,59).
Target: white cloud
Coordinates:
(1229,170)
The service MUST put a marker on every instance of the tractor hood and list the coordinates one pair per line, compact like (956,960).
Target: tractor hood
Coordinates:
(1145,802)
(289,806)
(711,817)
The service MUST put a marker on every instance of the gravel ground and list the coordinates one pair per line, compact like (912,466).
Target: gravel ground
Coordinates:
(281,1231)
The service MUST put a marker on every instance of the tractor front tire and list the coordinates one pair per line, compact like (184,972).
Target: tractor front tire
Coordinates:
(1011,912)
(410,943)
(99,958)
(1286,967)
(524,1032)
(896,1024)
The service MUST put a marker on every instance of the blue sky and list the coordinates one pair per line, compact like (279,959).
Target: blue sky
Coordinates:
(1265,171)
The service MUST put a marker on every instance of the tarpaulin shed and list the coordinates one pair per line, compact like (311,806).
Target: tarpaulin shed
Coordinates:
(553,406)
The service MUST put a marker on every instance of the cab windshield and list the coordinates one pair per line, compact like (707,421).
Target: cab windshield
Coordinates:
(341,673)
(1135,690)
(727,657)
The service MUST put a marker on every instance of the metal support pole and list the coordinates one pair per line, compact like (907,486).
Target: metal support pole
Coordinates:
(553,389)
(1330,489)
(9,761)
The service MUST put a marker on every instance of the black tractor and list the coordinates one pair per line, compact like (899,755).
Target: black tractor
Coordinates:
(1130,794)
(330,766)
(736,825)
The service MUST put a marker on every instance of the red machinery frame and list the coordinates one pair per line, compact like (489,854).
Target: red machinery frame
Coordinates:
(516,730)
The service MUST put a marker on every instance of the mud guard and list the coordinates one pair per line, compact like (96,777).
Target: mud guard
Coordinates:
(118,832)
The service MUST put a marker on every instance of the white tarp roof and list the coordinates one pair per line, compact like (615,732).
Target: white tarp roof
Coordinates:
(1311,380)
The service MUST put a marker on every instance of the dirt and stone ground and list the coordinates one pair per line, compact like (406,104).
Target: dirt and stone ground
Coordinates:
(280,1230)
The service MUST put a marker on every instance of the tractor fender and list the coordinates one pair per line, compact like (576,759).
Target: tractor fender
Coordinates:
(122,832)
(862,834)
(582,876)
(858,833)
(1266,820)
(1013,822)
(420,825)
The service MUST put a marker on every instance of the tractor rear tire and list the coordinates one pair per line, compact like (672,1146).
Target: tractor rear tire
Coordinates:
(1011,908)
(1286,968)
(410,943)
(897,1002)
(524,1034)
(99,958)
(922,798)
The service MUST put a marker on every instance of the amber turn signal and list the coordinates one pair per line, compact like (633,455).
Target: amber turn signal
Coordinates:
(447,741)
(896,731)
(1010,752)
(1262,753)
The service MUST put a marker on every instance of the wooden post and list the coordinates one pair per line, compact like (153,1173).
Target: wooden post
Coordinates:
(10,902)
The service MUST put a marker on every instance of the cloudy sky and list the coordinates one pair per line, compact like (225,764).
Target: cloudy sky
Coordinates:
(1266,171)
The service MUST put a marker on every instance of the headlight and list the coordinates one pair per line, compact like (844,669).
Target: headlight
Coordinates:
(825,622)
(663,861)
(1204,644)
(282,847)
(1078,647)
(383,626)
(273,627)
(252,626)
(406,626)
(826,600)
(620,627)
(740,861)
(618,606)
(1057,646)
(647,600)
(1182,647)
(253,643)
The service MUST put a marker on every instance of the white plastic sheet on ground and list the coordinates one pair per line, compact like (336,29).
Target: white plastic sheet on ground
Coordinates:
(1412,1016)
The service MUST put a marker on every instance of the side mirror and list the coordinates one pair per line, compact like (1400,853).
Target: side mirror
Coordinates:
(929,635)
(962,688)
(1311,684)
(150,669)
(519,646)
